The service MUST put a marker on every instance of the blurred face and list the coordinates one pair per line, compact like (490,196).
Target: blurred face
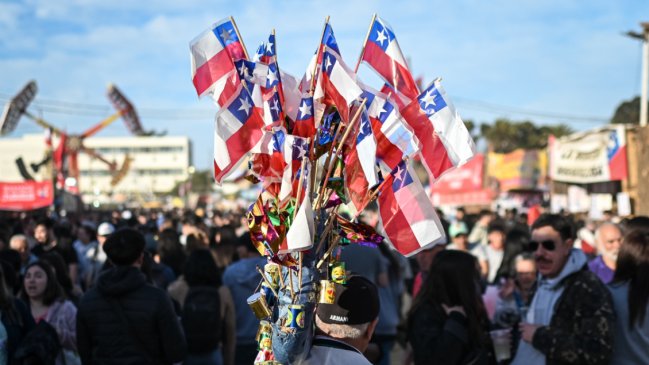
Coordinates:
(550,262)
(460,240)
(41,234)
(525,273)
(35,282)
(610,239)
(101,239)
(496,240)
(21,246)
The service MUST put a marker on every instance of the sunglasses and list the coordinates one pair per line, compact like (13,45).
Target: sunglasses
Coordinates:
(548,245)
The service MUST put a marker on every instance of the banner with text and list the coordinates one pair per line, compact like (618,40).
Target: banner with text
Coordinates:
(589,157)
(27,195)
(519,169)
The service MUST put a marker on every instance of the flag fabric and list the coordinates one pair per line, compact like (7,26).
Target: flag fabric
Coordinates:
(399,99)
(394,137)
(300,234)
(295,149)
(360,172)
(212,68)
(227,34)
(408,217)
(339,83)
(267,162)
(328,40)
(382,53)
(443,138)
(237,130)
(304,122)
(253,72)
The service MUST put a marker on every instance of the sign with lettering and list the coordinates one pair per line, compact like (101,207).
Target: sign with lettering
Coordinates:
(27,195)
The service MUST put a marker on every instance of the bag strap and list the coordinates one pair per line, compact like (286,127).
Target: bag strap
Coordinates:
(129,329)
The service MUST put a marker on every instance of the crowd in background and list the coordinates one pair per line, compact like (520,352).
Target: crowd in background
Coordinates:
(74,273)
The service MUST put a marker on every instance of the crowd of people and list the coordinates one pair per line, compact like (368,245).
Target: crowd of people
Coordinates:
(152,287)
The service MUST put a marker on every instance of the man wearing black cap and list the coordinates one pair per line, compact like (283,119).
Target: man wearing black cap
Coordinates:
(124,320)
(344,328)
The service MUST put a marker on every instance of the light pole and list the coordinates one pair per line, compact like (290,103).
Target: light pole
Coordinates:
(644,37)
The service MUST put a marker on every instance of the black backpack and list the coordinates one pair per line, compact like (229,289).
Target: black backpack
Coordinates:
(201,319)
(40,346)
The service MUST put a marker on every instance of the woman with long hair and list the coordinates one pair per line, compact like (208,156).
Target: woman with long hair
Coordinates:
(16,320)
(630,291)
(208,313)
(447,322)
(47,302)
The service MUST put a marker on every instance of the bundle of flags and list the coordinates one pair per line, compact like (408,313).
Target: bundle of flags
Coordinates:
(328,137)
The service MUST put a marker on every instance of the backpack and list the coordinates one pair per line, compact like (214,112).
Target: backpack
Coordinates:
(201,319)
(40,346)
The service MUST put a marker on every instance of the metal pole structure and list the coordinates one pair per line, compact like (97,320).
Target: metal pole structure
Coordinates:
(645,74)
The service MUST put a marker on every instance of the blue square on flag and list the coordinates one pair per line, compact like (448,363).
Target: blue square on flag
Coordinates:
(431,101)
(226,34)
(381,35)
(242,106)
(401,177)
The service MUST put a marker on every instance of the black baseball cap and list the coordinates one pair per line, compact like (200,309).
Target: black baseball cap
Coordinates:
(356,302)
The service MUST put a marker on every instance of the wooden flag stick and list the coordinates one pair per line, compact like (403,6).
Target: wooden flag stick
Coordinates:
(360,58)
(331,148)
(263,277)
(374,193)
(236,29)
(299,187)
(317,55)
(328,253)
(327,229)
(349,129)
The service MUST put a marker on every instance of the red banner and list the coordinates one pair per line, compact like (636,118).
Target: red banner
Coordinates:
(26,195)
(467,177)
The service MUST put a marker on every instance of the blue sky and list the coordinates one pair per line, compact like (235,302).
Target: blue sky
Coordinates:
(517,59)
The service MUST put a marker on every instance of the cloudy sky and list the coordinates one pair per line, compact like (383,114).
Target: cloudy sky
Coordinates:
(549,61)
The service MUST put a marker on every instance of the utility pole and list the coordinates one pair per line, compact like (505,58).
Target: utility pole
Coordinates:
(644,37)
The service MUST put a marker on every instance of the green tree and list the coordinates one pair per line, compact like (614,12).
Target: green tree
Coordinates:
(201,182)
(470,126)
(627,112)
(505,135)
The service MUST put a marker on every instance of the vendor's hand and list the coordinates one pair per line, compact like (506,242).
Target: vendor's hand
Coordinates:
(456,308)
(527,331)
(507,289)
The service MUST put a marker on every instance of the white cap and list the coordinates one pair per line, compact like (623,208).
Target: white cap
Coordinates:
(105,229)
(126,215)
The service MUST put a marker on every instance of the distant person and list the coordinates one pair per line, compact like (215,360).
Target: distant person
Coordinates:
(85,242)
(493,252)
(608,238)
(47,303)
(517,241)
(16,320)
(344,328)
(57,238)
(479,232)
(630,290)
(123,319)
(242,279)
(20,244)
(97,256)
(447,323)
(570,319)
(424,260)
(208,313)
(515,296)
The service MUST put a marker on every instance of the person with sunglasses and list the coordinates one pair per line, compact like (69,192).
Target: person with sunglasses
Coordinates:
(571,317)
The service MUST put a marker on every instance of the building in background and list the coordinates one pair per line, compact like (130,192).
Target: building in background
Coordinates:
(158,164)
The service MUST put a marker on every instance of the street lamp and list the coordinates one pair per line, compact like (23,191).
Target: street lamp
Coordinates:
(644,37)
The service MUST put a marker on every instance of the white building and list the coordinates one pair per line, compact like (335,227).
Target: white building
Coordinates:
(158,163)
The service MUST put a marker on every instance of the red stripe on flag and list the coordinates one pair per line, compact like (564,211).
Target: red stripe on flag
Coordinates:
(395,224)
(618,165)
(240,143)
(393,72)
(433,153)
(212,71)
(235,50)
(385,150)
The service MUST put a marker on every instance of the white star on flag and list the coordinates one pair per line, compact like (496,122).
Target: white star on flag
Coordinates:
(272,77)
(380,36)
(327,62)
(269,47)
(428,99)
(301,152)
(304,109)
(225,35)
(245,106)
(275,107)
(243,70)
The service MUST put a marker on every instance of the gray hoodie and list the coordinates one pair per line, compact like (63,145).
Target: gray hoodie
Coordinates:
(542,308)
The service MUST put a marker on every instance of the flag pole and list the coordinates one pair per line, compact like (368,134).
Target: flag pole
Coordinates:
(371,196)
(236,30)
(338,150)
(360,58)
(317,54)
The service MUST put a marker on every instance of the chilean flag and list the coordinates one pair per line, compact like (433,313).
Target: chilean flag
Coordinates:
(267,162)
(408,217)
(227,34)
(339,83)
(443,138)
(212,69)
(237,130)
(360,173)
(382,53)
(295,149)
(394,137)
(304,122)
